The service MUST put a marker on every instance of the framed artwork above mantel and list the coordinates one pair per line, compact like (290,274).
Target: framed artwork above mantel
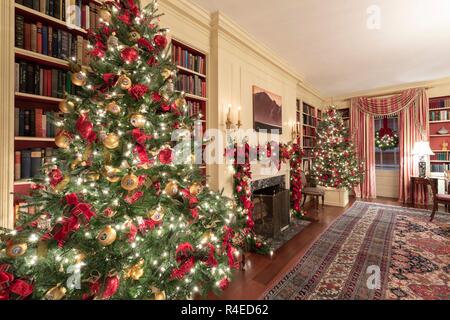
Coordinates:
(267,111)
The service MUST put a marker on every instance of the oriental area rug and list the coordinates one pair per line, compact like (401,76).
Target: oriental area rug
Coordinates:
(373,252)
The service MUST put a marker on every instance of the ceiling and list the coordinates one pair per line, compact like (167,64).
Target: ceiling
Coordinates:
(329,44)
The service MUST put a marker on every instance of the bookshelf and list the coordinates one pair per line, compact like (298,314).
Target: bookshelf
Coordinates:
(439,118)
(345,113)
(192,80)
(44,38)
(309,117)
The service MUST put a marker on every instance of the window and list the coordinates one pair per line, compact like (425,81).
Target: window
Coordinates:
(387,159)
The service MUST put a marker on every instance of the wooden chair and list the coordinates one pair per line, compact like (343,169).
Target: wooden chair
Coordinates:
(313,191)
(438,198)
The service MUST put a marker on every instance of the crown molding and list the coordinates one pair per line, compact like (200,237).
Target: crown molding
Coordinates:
(391,89)
(188,9)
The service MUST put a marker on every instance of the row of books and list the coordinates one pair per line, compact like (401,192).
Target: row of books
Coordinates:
(28,162)
(309,120)
(50,41)
(194,109)
(308,153)
(191,84)
(309,142)
(35,123)
(443,103)
(345,113)
(307,109)
(439,115)
(440,167)
(33,79)
(74,12)
(440,156)
(308,131)
(184,58)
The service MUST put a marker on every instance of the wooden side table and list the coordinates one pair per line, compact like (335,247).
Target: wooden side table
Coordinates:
(416,181)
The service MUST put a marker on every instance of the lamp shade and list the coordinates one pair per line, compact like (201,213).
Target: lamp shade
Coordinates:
(422,148)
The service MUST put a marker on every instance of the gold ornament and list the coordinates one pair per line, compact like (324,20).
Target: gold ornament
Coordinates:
(135,272)
(156,215)
(134,36)
(66,106)
(79,78)
(62,140)
(158,294)
(56,293)
(167,73)
(195,189)
(107,236)
(105,15)
(180,102)
(171,189)
(16,250)
(93,176)
(130,182)
(124,82)
(138,120)
(62,185)
(111,141)
(112,174)
(113,108)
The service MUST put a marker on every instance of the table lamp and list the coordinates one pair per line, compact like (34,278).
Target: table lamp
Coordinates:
(422,149)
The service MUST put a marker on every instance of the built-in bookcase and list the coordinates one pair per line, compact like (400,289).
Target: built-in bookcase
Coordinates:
(439,120)
(192,80)
(47,34)
(345,113)
(309,117)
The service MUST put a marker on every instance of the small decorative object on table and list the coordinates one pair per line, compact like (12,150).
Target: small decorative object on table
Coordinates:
(444,146)
(443,131)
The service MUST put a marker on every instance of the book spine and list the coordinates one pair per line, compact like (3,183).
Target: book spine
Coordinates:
(39,37)
(19,36)
(59,42)
(16,77)
(88,17)
(38,123)
(43,5)
(64,45)
(23,76)
(27,36)
(45,40)
(36,161)
(25,165)
(32,123)
(16,121)
(44,126)
(37,78)
(41,82)
(63,10)
(55,43)
(54,83)
(49,83)
(50,41)
(17,156)
(78,4)
(57,9)
(33,37)
(83,16)
(21,123)
(80,50)
(28,3)
(36,5)
(51,8)
(29,80)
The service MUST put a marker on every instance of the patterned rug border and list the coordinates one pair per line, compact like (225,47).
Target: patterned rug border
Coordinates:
(292,266)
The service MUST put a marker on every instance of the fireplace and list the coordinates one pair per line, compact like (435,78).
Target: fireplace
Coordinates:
(271,201)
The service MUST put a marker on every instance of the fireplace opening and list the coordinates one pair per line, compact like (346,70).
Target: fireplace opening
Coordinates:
(271,211)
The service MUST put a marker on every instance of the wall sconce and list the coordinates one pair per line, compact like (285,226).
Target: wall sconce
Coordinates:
(229,123)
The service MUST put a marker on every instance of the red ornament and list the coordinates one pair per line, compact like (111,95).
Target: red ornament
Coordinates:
(165,156)
(144,43)
(56,177)
(21,288)
(138,91)
(152,61)
(111,286)
(129,55)
(224,283)
(165,107)
(125,18)
(160,41)
(110,79)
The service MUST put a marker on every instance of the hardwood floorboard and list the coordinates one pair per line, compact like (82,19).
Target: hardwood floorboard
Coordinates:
(263,271)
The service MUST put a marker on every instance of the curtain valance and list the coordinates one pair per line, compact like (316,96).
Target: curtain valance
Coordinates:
(382,107)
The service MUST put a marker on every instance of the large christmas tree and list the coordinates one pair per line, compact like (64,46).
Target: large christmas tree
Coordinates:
(118,215)
(335,164)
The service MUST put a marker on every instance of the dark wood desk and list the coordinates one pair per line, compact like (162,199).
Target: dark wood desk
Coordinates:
(417,181)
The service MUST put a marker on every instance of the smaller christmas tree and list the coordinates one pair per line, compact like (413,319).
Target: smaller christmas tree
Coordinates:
(335,164)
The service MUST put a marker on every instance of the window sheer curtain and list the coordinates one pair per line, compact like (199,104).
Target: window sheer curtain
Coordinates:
(411,106)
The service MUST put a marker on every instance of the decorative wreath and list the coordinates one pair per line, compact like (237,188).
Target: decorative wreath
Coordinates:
(386,141)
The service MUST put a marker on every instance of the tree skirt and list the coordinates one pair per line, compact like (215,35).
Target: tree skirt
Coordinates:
(411,254)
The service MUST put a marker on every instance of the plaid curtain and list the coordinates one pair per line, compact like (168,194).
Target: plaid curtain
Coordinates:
(412,108)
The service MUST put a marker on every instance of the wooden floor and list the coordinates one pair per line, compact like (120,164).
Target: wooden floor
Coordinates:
(262,271)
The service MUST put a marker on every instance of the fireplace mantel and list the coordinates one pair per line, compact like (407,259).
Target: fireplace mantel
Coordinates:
(261,182)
